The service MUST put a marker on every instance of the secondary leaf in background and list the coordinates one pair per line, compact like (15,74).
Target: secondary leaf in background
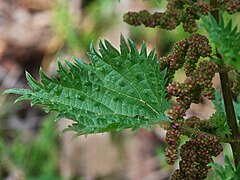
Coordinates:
(225,38)
(219,119)
(228,172)
(117,90)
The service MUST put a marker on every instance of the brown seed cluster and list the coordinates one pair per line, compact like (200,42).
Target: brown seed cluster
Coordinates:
(177,11)
(186,54)
(231,6)
(172,138)
(197,123)
(198,47)
(191,14)
(175,61)
(192,121)
(195,86)
(169,19)
(195,155)
(198,83)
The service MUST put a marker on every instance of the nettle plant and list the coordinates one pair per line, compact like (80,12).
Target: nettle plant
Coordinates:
(134,89)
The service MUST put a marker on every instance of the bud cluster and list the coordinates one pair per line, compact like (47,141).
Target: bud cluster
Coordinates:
(169,19)
(186,54)
(195,155)
(231,6)
(191,14)
(202,125)
(195,86)
(198,83)
(175,61)
(177,11)
(198,46)
(172,138)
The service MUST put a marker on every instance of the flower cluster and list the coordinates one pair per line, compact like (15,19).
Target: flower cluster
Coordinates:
(198,47)
(202,125)
(195,155)
(186,54)
(198,83)
(169,19)
(192,121)
(191,14)
(195,86)
(177,11)
(175,61)
(172,138)
(231,6)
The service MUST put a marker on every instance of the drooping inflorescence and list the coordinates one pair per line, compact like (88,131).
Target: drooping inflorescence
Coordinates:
(191,14)
(199,78)
(178,11)
(231,6)
(198,83)
(186,53)
(195,86)
(195,155)
(198,47)
(198,151)
(169,19)
(172,139)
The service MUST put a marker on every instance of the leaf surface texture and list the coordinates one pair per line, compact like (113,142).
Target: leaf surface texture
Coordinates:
(115,91)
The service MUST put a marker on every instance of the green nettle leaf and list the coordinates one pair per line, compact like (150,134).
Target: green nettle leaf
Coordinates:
(219,119)
(225,38)
(117,90)
(228,172)
(218,102)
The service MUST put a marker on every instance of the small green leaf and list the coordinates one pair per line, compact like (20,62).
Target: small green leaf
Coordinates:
(226,39)
(219,119)
(227,172)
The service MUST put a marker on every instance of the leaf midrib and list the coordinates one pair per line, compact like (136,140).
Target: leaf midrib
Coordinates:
(141,100)
(77,107)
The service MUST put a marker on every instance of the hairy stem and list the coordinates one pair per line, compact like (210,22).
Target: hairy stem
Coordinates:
(231,117)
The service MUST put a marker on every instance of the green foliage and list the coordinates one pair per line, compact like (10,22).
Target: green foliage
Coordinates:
(117,90)
(228,172)
(37,158)
(219,122)
(225,38)
(63,25)
(219,119)
(218,102)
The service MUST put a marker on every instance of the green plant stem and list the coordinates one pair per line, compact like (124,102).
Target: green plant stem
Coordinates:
(229,108)
(188,131)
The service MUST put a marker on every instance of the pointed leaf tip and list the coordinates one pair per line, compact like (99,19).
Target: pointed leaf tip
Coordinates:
(133,47)
(92,47)
(17,91)
(143,51)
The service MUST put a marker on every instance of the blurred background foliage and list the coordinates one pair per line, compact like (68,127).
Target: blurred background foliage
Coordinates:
(36,33)
(36,157)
